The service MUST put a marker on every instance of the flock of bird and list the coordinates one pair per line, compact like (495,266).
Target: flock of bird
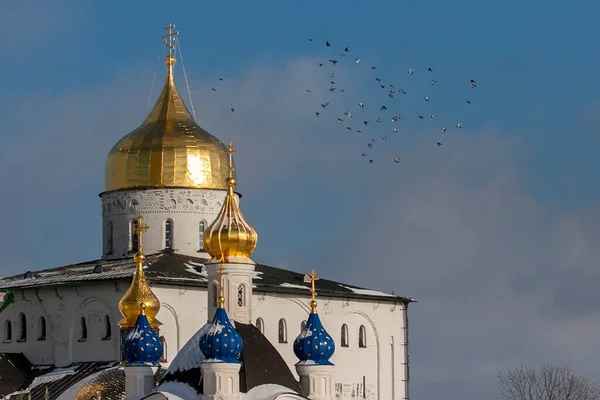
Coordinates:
(374,123)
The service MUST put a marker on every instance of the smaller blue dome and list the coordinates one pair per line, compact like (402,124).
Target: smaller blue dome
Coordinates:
(314,345)
(142,345)
(221,341)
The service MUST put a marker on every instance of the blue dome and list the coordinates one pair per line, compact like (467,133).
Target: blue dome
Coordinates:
(142,345)
(314,345)
(221,341)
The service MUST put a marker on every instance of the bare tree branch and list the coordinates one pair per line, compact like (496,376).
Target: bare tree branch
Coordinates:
(548,383)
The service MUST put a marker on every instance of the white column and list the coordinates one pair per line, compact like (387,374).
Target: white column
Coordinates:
(237,287)
(315,381)
(221,380)
(139,381)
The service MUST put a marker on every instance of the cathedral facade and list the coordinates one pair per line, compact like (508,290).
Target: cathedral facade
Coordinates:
(169,190)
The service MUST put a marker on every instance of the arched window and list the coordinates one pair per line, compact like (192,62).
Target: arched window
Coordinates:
(169,234)
(82,329)
(109,238)
(133,236)
(260,325)
(282,331)
(42,329)
(345,340)
(215,294)
(362,336)
(201,228)
(241,296)
(22,327)
(7,330)
(107,328)
(164,358)
(302,325)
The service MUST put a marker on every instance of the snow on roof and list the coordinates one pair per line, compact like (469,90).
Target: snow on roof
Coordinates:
(293,285)
(269,392)
(178,391)
(189,356)
(367,292)
(177,269)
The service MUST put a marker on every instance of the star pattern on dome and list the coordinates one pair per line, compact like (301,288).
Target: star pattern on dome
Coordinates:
(142,345)
(221,342)
(314,345)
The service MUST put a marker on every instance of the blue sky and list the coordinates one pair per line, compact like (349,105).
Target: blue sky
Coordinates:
(506,211)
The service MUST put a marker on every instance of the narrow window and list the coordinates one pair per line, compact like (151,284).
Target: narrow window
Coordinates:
(282,331)
(215,291)
(22,327)
(82,329)
(260,325)
(201,229)
(302,325)
(7,330)
(241,293)
(133,236)
(345,340)
(169,234)
(362,336)
(107,328)
(164,358)
(109,238)
(42,329)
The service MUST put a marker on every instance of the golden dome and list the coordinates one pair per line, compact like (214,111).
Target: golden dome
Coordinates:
(230,238)
(139,291)
(169,149)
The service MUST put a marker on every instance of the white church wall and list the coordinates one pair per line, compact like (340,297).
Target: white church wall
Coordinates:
(184,310)
(63,308)
(187,208)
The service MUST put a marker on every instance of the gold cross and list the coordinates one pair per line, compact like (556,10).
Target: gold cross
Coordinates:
(313,278)
(139,229)
(169,38)
(231,150)
(221,298)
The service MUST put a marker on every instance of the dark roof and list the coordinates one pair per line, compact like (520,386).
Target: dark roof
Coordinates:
(108,383)
(58,380)
(15,372)
(173,268)
(261,364)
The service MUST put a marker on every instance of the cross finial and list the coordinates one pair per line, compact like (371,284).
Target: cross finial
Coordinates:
(231,150)
(169,38)
(139,230)
(312,278)
(221,298)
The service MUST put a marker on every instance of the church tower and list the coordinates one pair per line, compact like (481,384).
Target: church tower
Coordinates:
(141,344)
(230,240)
(169,169)
(314,347)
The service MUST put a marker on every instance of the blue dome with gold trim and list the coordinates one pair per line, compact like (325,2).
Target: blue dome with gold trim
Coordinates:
(314,345)
(142,345)
(221,341)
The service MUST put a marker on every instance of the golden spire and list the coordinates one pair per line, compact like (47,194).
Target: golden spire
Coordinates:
(139,297)
(221,298)
(312,278)
(230,238)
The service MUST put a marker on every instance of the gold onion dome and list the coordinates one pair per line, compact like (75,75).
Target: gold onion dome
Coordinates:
(139,291)
(230,238)
(169,149)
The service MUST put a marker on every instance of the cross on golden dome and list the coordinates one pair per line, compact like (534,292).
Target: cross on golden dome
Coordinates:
(139,230)
(221,298)
(231,150)
(170,37)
